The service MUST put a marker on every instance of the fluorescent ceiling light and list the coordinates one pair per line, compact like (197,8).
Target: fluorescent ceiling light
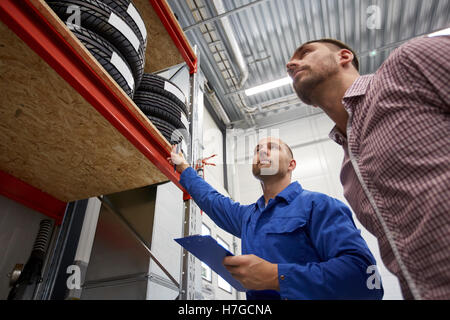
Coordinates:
(268,86)
(443,32)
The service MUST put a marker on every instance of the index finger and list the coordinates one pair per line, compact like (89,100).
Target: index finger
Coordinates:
(232,261)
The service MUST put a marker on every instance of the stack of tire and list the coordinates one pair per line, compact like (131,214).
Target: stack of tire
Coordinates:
(115,34)
(113,31)
(164,103)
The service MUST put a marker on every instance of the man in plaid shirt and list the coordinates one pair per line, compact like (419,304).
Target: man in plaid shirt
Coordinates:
(394,127)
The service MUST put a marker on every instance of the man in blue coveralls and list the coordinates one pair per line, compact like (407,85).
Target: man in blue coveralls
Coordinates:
(296,244)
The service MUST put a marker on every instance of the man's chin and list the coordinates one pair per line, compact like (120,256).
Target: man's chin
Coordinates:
(304,96)
(264,173)
(256,172)
(305,88)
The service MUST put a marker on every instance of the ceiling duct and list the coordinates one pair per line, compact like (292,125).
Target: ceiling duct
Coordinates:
(242,65)
(216,45)
(217,106)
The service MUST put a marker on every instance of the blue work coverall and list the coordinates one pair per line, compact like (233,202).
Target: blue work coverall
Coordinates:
(312,237)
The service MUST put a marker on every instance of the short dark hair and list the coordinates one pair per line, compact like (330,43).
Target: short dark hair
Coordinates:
(339,44)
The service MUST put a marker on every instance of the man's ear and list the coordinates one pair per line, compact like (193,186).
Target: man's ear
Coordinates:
(345,57)
(292,165)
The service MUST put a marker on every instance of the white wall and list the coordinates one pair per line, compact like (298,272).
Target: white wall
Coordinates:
(319,161)
(213,144)
(167,226)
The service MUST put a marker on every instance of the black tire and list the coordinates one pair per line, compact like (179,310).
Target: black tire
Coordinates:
(157,84)
(161,107)
(169,131)
(108,57)
(121,3)
(106,22)
(131,15)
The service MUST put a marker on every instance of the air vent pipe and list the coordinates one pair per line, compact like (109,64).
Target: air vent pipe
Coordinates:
(218,4)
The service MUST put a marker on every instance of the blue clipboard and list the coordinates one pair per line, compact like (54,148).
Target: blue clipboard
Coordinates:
(210,252)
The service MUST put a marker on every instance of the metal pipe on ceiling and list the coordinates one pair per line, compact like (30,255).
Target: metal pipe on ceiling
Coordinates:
(225,14)
(228,30)
(217,106)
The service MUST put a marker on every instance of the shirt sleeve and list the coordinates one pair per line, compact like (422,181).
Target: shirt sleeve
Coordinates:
(425,63)
(348,270)
(226,213)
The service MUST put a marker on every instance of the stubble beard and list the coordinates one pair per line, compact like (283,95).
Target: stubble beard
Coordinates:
(266,173)
(307,85)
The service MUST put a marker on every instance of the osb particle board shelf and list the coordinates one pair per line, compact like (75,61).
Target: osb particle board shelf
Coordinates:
(66,127)
(167,45)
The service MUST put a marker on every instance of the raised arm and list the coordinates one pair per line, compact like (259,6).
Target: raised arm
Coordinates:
(226,213)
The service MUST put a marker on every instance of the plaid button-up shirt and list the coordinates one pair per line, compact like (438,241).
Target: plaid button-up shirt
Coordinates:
(396,168)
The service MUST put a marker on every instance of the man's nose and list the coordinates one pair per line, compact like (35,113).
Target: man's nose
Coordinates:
(262,152)
(290,66)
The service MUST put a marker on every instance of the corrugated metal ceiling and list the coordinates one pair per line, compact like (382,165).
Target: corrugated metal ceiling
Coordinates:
(268,32)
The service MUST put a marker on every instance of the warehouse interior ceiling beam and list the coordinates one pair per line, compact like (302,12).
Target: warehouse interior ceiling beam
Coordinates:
(268,32)
(222,15)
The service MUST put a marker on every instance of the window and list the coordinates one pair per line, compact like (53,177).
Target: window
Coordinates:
(206,271)
(220,281)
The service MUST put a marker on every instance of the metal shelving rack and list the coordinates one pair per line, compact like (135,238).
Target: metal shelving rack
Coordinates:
(41,31)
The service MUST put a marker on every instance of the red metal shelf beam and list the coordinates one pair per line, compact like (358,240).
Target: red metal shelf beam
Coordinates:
(21,192)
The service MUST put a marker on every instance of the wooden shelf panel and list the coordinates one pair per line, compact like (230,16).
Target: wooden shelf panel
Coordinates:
(69,130)
(161,51)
